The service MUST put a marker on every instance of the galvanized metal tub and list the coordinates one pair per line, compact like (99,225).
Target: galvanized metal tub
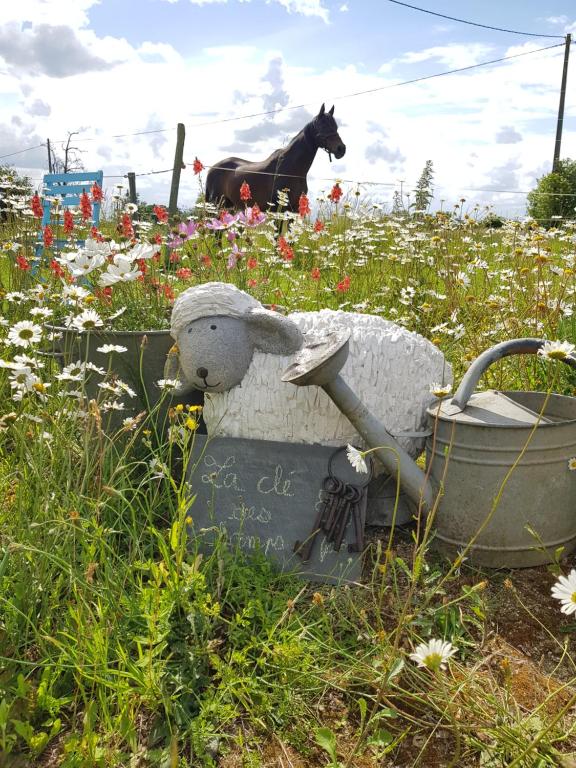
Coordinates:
(141,367)
(506,484)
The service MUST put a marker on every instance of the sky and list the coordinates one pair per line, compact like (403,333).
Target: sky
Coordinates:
(107,68)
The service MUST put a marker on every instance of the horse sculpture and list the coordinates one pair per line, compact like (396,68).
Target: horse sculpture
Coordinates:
(285,169)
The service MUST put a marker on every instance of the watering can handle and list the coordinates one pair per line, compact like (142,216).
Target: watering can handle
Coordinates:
(506,348)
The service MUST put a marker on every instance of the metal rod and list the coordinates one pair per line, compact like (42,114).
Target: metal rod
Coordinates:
(388,451)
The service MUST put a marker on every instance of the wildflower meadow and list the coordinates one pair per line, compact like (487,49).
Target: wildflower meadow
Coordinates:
(121,643)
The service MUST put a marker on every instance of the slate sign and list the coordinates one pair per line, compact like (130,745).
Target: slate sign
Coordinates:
(266,495)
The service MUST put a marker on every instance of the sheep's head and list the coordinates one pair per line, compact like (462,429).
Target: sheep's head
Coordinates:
(217,328)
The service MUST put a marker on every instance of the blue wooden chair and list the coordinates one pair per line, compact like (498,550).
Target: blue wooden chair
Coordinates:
(69,187)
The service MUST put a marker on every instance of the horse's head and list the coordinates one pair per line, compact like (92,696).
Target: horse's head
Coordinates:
(326,133)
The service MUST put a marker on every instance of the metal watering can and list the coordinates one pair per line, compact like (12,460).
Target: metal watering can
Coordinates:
(498,463)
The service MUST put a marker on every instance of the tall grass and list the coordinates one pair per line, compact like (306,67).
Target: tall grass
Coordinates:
(121,644)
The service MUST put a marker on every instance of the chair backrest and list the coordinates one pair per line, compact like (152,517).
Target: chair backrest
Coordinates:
(69,187)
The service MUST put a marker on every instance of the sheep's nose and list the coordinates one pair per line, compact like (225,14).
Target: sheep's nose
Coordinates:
(202,373)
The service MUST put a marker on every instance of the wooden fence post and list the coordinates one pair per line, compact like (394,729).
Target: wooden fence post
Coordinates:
(178,164)
(132,187)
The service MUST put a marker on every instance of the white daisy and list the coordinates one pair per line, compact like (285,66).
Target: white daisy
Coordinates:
(72,372)
(24,334)
(168,384)
(565,591)
(440,390)
(572,464)
(16,296)
(41,312)
(434,654)
(356,458)
(107,349)
(87,321)
(112,405)
(74,293)
(130,208)
(556,350)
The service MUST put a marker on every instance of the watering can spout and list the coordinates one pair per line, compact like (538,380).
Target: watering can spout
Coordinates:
(319,364)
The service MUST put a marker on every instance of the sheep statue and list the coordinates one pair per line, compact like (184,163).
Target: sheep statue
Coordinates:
(234,350)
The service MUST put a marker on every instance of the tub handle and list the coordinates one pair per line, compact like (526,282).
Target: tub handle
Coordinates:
(483,361)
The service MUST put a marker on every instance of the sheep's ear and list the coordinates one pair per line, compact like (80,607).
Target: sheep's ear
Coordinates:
(172,370)
(322,110)
(331,111)
(273,333)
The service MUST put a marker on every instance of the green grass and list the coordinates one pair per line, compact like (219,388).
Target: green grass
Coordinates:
(122,645)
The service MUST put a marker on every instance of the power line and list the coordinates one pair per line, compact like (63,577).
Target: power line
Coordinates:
(472,23)
(383,87)
(269,112)
(301,106)
(20,151)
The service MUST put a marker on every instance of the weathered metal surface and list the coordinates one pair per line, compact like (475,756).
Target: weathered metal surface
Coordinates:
(517,520)
(141,367)
(320,365)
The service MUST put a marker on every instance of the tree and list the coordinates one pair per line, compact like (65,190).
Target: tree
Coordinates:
(554,195)
(424,191)
(71,160)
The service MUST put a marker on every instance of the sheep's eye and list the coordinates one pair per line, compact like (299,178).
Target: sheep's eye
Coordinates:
(213,327)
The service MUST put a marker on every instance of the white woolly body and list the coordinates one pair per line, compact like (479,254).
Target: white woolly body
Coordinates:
(389,368)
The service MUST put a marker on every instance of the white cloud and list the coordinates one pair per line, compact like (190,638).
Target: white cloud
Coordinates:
(305,7)
(453,120)
(452,56)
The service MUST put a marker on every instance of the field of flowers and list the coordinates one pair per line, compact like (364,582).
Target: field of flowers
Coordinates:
(120,645)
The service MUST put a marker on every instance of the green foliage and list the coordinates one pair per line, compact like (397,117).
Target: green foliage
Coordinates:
(121,643)
(554,197)
(424,191)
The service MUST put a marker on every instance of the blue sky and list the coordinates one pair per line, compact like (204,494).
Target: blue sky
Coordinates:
(119,66)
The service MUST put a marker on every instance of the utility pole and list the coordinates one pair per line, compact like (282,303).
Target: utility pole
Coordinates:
(50,170)
(132,186)
(178,165)
(561,106)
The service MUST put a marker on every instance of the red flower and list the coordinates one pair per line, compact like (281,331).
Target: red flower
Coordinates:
(127,228)
(245,193)
(336,193)
(161,214)
(95,235)
(285,249)
(303,205)
(206,260)
(97,194)
(68,221)
(174,257)
(168,292)
(158,238)
(104,294)
(343,285)
(48,236)
(36,206)
(197,166)
(85,206)
(22,263)
(315,274)
(56,268)
(184,273)
(252,283)
(142,265)
(318,226)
